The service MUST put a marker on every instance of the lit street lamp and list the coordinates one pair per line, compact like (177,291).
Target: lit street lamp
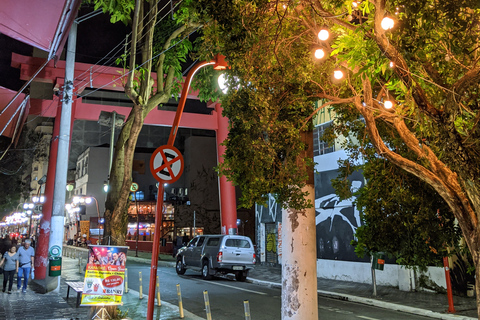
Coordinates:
(80,200)
(28,208)
(36,201)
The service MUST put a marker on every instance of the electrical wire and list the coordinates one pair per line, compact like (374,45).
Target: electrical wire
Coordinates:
(120,48)
(126,44)
(138,67)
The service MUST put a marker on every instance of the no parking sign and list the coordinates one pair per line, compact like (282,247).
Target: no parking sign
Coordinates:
(166,164)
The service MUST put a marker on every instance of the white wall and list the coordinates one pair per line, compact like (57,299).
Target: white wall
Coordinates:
(392,275)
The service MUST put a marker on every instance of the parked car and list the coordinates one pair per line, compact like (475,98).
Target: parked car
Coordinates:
(217,254)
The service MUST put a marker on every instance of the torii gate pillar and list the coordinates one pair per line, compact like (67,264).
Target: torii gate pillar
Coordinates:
(228,200)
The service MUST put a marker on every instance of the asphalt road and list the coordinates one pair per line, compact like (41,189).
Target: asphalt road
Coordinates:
(227,298)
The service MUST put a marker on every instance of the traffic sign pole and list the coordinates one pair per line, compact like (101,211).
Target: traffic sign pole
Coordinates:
(155,251)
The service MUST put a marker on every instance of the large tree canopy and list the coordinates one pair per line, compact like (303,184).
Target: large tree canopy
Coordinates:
(427,65)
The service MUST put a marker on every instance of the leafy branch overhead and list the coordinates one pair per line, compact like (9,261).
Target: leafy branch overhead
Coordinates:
(415,87)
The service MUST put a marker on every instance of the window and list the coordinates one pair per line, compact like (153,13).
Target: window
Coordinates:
(212,242)
(78,172)
(85,165)
(237,243)
(192,242)
(319,146)
(201,240)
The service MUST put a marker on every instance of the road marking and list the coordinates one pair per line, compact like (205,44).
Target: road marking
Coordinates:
(226,285)
(368,318)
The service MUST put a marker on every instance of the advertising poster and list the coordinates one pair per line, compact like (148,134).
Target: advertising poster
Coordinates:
(85,228)
(104,276)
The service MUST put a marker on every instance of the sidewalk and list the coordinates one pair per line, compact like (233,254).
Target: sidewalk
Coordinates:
(53,305)
(428,304)
(34,305)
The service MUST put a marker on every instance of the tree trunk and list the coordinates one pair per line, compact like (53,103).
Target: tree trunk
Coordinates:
(476,261)
(116,213)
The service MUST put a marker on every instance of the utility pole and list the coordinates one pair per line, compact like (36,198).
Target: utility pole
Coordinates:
(57,227)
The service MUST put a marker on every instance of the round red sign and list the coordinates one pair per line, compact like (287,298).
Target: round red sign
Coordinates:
(166,164)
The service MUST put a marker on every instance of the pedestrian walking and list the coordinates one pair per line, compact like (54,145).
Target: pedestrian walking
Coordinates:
(10,267)
(26,255)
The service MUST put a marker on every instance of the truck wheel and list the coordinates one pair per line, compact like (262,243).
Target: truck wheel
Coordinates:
(206,271)
(241,276)
(179,267)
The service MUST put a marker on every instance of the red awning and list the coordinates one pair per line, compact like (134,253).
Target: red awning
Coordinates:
(43,24)
(13,117)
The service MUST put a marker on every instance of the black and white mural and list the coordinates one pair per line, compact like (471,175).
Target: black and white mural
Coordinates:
(336,220)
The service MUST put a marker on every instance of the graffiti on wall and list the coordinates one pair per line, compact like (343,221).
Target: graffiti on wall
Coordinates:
(270,213)
(271,243)
(336,220)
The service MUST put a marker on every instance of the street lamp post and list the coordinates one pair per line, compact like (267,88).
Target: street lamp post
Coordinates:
(138,224)
(218,63)
(87,200)
(28,208)
(36,201)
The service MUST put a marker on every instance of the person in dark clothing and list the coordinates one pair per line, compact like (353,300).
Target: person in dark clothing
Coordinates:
(3,249)
(10,267)
(185,239)
(7,243)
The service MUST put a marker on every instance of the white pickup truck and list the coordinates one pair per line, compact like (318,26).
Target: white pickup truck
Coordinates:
(217,254)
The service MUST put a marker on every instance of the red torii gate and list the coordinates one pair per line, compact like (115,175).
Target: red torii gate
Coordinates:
(110,78)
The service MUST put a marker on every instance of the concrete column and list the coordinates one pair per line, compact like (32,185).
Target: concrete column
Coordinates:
(299,259)
(299,262)
(228,200)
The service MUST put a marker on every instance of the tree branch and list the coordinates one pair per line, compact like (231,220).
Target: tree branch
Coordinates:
(401,68)
(147,52)
(440,177)
(133,52)
(161,60)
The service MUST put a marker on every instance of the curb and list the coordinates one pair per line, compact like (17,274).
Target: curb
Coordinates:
(375,303)
(161,263)
(187,314)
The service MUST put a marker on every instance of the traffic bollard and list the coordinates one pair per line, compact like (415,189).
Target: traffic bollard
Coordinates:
(126,280)
(159,302)
(246,307)
(180,304)
(207,305)
(140,293)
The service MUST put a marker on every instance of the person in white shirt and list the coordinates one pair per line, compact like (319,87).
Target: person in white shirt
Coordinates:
(26,255)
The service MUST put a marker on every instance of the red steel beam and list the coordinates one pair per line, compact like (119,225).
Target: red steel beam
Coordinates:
(87,111)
